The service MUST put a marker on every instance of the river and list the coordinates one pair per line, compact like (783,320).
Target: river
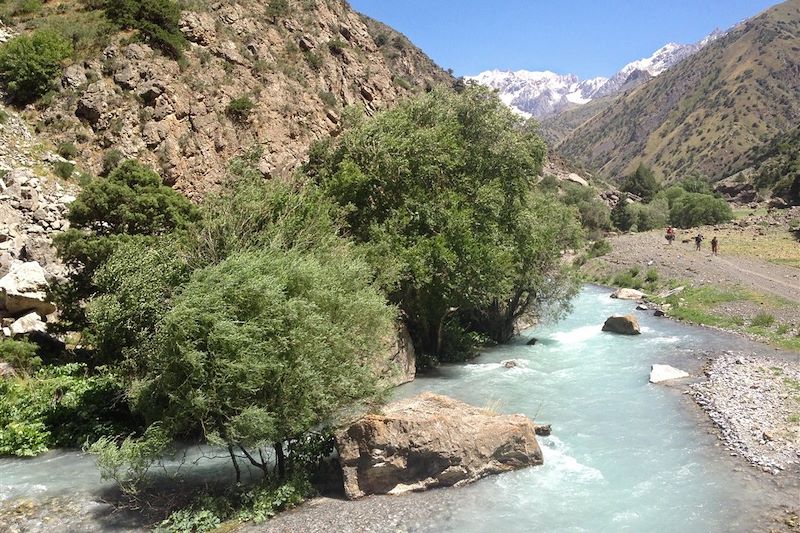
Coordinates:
(624,455)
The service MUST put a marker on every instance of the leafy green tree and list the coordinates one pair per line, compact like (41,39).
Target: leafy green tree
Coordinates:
(646,217)
(157,22)
(262,347)
(695,209)
(595,214)
(642,183)
(132,201)
(438,190)
(621,217)
(30,63)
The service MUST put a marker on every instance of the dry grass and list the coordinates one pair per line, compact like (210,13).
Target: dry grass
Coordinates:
(778,247)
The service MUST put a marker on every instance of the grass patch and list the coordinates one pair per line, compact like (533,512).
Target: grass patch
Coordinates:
(762,320)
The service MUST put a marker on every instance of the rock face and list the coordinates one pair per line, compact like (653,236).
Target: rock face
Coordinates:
(659,373)
(432,441)
(300,69)
(624,325)
(400,365)
(627,294)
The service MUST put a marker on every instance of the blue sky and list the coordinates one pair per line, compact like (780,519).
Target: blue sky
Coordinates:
(584,37)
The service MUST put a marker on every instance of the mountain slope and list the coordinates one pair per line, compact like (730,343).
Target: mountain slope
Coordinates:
(704,114)
(299,67)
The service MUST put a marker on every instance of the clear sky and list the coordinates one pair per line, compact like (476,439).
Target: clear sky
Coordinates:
(584,37)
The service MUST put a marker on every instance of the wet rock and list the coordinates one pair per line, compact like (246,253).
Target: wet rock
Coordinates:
(432,441)
(542,430)
(642,307)
(624,325)
(661,373)
(627,294)
(658,312)
(532,341)
(510,363)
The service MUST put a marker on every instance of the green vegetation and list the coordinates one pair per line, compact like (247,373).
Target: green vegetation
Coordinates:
(594,213)
(29,65)
(131,203)
(239,109)
(439,192)
(685,205)
(22,355)
(62,406)
(67,150)
(642,183)
(762,320)
(157,22)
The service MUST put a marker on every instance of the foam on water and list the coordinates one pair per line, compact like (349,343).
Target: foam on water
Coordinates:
(623,456)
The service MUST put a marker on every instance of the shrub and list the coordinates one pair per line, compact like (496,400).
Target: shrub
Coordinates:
(239,109)
(29,64)
(60,406)
(3,117)
(111,160)
(156,20)
(650,216)
(67,150)
(63,169)
(651,275)
(599,248)
(22,355)
(276,9)
(132,201)
(314,60)
(336,46)
(695,209)
(328,98)
(762,320)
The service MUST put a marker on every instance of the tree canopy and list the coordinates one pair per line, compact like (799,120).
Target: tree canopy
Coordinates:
(440,191)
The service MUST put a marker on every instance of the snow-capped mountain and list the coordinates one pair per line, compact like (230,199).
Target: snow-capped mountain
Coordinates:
(540,94)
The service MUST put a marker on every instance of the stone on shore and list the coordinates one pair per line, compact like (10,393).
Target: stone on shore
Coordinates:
(624,325)
(627,294)
(660,373)
(24,288)
(432,441)
(27,324)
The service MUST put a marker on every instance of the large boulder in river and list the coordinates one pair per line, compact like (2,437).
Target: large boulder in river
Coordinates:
(627,294)
(625,325)
(24,289)
(432,441)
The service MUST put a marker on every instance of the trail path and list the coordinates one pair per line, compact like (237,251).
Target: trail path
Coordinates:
(681,261)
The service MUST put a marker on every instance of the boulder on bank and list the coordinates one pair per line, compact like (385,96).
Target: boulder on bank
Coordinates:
(659,373)
(627,294)
(24,289)
(624,325)
(432,441)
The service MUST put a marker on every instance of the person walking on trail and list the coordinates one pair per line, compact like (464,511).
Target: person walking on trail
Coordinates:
(670,235)
(697,240)
(715,246)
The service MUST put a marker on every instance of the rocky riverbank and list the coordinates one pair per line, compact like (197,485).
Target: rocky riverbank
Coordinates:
(755,403)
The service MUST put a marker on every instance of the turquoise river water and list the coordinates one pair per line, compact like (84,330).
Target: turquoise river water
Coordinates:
(624,455)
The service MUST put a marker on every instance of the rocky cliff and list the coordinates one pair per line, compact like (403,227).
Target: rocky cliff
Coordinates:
(299,69)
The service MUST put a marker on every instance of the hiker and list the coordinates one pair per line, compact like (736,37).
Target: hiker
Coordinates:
(714,245)
(670,236)
(697,240)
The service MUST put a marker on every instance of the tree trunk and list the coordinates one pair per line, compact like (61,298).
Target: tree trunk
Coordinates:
(280,460)
(235,464)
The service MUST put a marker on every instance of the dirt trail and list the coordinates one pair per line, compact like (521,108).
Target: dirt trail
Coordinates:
(681,261)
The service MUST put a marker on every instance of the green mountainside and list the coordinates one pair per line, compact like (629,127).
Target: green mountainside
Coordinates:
(705,115)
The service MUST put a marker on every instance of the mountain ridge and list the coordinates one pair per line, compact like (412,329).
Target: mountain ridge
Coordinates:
(544,93)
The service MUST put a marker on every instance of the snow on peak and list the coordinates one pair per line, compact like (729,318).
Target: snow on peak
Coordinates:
(543,93)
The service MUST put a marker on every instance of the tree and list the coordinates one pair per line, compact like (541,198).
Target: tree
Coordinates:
(262,347)
(131,203)
(621,216)
(158,22)
(695,209)
(438,191)
(642,183)
(30,63)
